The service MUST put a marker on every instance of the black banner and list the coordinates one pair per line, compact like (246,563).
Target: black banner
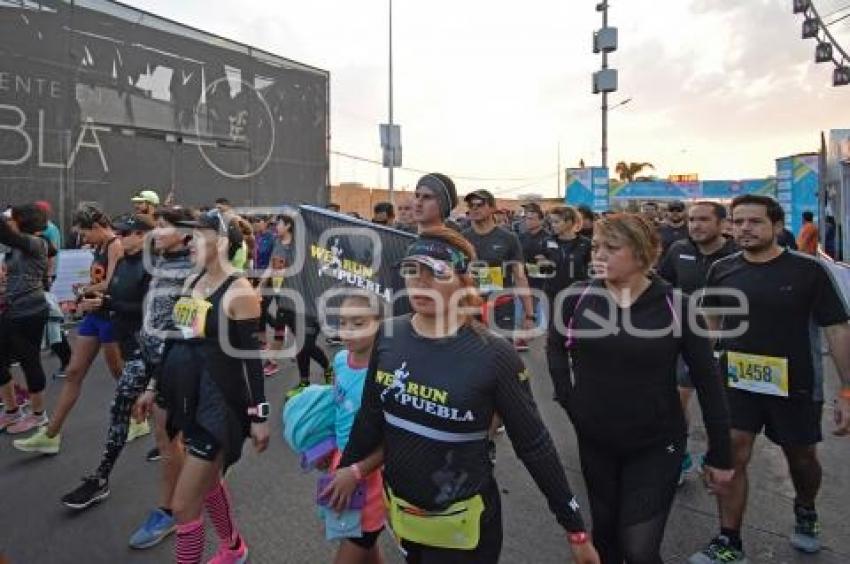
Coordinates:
(337,251)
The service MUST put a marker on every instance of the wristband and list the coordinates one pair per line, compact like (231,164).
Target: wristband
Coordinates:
(355,469)
(577,538)
(844,393)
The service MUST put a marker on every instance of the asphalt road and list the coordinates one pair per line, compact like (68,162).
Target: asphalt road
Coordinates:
(274,499)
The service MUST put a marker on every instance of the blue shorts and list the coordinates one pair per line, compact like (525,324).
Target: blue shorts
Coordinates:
(96,326)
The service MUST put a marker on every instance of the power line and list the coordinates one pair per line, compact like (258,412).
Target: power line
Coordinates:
(844,17)
(837,11)
(453,176)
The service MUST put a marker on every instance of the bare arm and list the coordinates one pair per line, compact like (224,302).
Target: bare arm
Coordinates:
(838,337)
(521,282)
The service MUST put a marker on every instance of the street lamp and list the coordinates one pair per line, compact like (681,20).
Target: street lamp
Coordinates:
(620,104)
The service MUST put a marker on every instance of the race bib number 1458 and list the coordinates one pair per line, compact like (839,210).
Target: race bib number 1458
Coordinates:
(758,374)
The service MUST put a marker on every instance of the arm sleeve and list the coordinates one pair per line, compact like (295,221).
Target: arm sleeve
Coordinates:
(246,333)
(26,243)
(705,375)
(829,307)
(367,434)
(530,438)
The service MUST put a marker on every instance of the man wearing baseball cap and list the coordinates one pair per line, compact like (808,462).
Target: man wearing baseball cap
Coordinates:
(145,202)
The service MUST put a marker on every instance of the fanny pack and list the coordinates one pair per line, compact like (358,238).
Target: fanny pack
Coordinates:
(457,527)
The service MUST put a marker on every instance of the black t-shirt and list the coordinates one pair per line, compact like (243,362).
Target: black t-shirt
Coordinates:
(685,267)
(430,402)
(497,252)
(571,259)
(533,244)
(787,297)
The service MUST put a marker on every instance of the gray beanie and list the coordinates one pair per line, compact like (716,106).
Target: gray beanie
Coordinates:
(443,188)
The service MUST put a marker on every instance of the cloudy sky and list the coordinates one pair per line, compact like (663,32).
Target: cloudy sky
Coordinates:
(488,89)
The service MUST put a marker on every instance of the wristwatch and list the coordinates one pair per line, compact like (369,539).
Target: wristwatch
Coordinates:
(260,412)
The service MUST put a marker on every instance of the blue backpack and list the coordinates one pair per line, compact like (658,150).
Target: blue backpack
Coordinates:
(309,418)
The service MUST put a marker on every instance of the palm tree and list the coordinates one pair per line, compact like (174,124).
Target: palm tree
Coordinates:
(628,171)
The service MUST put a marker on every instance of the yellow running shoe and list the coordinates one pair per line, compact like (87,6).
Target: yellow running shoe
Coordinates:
(138,430)
(39,442)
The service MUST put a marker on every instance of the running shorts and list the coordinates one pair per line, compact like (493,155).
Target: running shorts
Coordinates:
(94,325)
(786,422)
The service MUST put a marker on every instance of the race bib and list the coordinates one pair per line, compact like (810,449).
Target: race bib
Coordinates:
(277,282)
(489,279)
(190,316)
(758,374)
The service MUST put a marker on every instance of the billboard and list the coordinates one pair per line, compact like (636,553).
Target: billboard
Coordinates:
(99,100)
(712,189)
(588,186)
(797,186)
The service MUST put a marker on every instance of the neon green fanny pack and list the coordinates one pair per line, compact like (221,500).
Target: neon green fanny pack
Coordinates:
(457,527)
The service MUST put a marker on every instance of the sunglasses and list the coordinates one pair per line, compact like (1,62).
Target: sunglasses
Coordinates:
(413,269)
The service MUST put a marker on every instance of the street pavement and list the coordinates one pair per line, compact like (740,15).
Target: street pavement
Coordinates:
(274,500)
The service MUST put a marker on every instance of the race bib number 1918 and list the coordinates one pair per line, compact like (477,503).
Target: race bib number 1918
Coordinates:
(758,374)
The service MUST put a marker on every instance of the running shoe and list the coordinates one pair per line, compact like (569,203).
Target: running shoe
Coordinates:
(138,430)
(39,442)
(91,491)
(9,419)
(270,368)
(60,373)
(153,455)
(719,551)
(156,527)
(521,345)
(806,531)
(299,387)
(231,556)
(687,467)
(329,375)
(500,430)
(27,423)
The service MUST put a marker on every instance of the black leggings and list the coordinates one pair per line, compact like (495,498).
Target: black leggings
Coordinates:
(20,339)
(309,350)
(630,494)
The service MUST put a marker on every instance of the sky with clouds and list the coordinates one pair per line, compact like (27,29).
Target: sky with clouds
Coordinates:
(491,88)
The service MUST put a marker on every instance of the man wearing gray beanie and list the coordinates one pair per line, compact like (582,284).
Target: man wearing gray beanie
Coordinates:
(435,198)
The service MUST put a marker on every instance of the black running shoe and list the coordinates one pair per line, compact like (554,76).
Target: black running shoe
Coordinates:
(491,451)
(153,455)
(91,491)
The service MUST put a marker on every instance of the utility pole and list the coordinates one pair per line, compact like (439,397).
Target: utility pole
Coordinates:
(605,80)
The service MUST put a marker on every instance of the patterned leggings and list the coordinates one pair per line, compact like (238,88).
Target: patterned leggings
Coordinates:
(131,384)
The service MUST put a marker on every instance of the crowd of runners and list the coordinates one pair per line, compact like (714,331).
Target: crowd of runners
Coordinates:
(637,311)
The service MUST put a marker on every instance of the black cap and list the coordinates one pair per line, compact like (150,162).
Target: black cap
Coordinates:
(481,194)
(214,220)
(135,222)
(676,205)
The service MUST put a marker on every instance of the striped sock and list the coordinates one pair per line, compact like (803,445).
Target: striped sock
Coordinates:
(218,508)
(189,547)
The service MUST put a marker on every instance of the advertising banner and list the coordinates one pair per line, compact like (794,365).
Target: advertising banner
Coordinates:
(798,182)
(588,187)
(341,252)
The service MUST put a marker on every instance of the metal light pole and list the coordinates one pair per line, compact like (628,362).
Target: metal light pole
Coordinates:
(604,92)
(605,79)
(391,179)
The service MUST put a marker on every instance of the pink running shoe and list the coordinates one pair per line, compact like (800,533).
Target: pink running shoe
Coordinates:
(7,420)
(27,423)
(230,556)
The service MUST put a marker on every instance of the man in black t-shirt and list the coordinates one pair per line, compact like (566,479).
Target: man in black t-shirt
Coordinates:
(499,265)
(773,367)
(675,228)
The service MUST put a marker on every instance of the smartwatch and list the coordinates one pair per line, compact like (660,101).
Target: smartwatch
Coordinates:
(260,412)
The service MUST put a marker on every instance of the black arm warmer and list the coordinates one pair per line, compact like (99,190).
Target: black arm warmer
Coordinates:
(246,335)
